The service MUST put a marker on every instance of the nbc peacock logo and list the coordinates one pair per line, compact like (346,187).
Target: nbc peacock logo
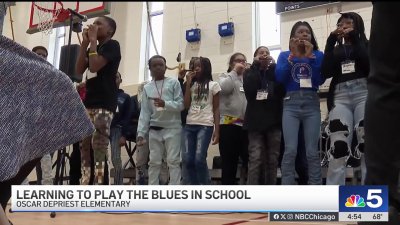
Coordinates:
(355,201)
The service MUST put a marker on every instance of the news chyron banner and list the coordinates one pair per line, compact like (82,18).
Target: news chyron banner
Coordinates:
(283,203)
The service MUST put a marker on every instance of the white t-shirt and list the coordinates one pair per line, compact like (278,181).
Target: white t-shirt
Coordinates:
(201,111)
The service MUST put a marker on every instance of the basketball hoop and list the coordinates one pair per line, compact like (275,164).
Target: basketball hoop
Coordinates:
(48,13)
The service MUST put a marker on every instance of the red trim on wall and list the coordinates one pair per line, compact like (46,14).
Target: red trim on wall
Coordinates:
(102,7)
(31,17)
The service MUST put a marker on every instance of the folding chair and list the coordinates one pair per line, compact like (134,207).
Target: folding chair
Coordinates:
(129,166)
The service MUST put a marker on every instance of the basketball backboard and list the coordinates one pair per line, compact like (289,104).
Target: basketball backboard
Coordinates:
(90,9)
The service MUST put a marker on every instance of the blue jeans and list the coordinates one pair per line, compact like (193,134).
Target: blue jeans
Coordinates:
(115,135)
(346,119)
(197,140)
(301,107)
(185,174)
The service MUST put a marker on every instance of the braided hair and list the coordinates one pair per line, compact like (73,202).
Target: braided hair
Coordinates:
(203,78)
(191,63)
(358,26)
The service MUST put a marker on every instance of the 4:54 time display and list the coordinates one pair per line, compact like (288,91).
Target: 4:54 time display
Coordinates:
(354,216)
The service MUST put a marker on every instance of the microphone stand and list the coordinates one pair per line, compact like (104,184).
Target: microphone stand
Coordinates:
(73,27)
(62,153)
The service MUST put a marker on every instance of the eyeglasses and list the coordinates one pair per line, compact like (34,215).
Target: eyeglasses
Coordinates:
(348,23)
(240,61)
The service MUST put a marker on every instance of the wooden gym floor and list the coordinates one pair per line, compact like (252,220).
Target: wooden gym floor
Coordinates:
(150,219)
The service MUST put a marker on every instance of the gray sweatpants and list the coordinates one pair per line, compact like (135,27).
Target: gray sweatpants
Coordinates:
(142,165)
(160,142)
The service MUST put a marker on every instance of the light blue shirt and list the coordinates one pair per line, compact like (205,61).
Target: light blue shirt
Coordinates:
(168,90)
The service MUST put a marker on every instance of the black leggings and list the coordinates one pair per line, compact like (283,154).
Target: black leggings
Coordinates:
(5,186)
(233,144)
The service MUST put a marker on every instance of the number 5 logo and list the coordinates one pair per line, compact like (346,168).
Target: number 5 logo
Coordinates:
(373,194)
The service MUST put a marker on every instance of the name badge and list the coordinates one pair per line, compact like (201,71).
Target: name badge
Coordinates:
(305,83)
(262,94)
(241,89)
(90,75)
(348,67)
(196,108)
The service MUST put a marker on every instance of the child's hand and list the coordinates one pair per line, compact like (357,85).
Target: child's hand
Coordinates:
(294,47)
(189,77)
(92,32)
(85,37)
(122,141)
(140,141)
(215,138)
(347,30)
(309,49)
(158,102)
(182,74)
(239,68)
(338,32)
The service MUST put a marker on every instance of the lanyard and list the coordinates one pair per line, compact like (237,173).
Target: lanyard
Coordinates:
(345,52)
(162,85)
(240,78)
(264,80)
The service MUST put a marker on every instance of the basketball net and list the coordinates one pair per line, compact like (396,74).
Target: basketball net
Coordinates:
(47,13)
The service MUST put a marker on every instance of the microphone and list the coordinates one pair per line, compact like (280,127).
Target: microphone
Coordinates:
(80,16)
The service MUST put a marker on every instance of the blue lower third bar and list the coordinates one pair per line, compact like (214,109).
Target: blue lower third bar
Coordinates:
(304,216)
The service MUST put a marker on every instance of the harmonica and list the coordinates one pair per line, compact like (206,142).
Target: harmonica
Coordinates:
(187,70)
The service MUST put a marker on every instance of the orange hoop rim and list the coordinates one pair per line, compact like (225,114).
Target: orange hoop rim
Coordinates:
(48,10)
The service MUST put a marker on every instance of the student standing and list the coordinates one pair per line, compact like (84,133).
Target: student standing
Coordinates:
(202,122)
(101,61)
(346,60)
(233,139)
(299,70)
(263,118)
(160,117)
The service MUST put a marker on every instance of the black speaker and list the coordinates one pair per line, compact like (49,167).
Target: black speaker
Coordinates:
(73,57)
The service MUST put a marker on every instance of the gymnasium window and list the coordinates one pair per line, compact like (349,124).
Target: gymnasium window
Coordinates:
(56,41)
(156,19)
(268,30)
